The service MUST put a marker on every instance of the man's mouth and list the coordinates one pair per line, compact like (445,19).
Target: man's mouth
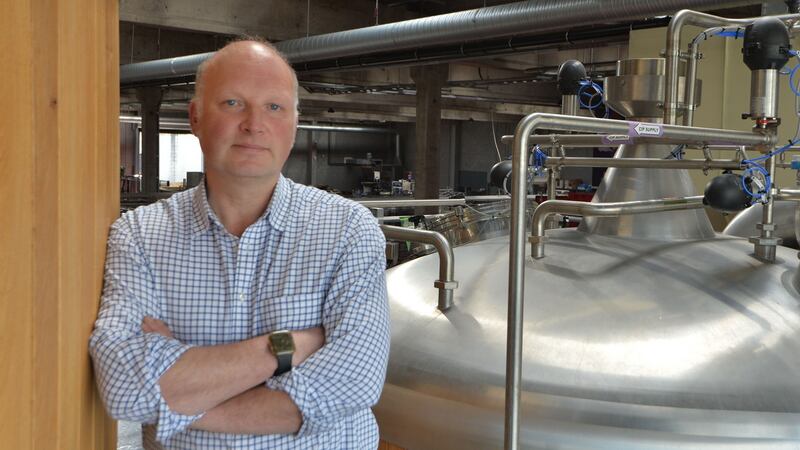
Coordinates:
(250,146)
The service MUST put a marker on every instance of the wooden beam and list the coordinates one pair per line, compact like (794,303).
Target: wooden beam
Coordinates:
(59,186)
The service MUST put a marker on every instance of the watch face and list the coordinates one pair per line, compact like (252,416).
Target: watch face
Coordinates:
(281,342)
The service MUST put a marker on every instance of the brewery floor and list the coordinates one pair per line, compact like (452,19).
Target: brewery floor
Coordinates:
(129,436)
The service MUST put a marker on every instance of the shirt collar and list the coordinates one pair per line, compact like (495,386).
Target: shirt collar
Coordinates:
(200,209)
(277,212)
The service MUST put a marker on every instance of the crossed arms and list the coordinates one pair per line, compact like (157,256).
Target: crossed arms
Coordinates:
(227,383)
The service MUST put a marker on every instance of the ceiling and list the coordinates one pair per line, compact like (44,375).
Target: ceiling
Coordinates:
(493,83)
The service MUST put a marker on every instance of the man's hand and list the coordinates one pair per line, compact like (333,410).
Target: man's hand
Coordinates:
(153,325)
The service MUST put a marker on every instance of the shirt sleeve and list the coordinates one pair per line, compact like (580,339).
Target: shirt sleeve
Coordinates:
(128,363)
(347,374)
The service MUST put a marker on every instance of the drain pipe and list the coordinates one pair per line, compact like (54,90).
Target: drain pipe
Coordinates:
(513,19)
(550,207)
(446,284)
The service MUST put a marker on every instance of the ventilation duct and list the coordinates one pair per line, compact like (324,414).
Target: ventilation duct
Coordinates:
(514,19)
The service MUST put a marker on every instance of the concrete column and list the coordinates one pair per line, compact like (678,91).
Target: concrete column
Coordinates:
(429,81)
(150,97)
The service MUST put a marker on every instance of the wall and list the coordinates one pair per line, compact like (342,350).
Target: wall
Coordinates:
(59,171)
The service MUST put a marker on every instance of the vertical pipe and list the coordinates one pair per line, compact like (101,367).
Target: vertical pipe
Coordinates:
(516,281)
(765,248)
(691,83)
(569,105)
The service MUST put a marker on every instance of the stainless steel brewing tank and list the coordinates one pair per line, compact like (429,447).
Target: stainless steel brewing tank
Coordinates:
(784,217)
(628,344)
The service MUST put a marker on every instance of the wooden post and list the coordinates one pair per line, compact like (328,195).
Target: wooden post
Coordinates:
(429,81)
(59,192)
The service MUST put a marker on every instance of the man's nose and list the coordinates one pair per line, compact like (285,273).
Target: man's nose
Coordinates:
(253,121)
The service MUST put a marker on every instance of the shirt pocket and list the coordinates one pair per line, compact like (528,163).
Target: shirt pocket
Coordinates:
(291,311)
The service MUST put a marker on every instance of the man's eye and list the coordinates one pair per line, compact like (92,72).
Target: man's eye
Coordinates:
(231,102)
(274,107)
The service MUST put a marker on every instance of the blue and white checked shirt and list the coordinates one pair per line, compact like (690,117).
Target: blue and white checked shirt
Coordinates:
(312,259)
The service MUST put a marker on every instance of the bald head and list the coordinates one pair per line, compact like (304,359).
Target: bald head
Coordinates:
(245,51)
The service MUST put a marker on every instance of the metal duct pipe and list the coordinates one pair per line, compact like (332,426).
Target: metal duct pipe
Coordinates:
(644,163)
(445,283)
(516,273)
(346,129)
(412,202)
(585,209)
(184,124)
(492,22)
(688,17)
(787,194)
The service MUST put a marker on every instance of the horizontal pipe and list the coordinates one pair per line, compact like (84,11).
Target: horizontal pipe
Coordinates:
(412,202)
(567,140)
(346,129)
(587,209)
(787,194)
(446,284)
(184,124)
(623,132)
(493,198)
(643,163)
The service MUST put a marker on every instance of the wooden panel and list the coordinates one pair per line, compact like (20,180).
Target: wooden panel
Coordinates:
(16,226)
(59,167)
(383,445)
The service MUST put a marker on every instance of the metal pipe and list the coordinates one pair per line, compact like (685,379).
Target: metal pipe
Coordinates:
(569,105)
(600,140)
(643,163)
(691,82)
(586,209)
(764,93)
(184,124)
(625,132)
(446,284)
(765,245)
(513,19)
(345,129)
(398,160)
(689,17)
(412,202)
(566,140)
(787,194)
(516,273)
(492,198)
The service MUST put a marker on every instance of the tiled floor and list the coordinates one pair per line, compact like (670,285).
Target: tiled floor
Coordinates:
(129,436)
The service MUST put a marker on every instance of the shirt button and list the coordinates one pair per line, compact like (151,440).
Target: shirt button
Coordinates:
(241,297)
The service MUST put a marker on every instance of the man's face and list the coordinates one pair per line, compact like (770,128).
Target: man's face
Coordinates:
(246,118)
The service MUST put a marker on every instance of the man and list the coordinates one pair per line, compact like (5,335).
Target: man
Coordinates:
(198,287)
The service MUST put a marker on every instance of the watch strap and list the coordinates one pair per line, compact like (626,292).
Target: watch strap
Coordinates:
(284,363)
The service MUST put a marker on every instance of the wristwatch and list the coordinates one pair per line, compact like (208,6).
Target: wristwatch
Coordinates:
(281,345)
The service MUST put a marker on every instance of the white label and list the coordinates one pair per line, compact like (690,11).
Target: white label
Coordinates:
(617,138)
(647,129)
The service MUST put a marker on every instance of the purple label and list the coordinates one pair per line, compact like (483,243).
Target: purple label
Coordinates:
(644,129)
(617,139)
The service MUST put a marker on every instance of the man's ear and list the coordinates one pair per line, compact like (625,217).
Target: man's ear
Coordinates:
(194,116)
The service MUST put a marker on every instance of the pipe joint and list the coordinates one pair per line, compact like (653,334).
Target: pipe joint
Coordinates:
(445,284)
